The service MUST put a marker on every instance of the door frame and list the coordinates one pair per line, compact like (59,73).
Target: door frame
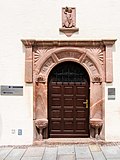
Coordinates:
(42,55)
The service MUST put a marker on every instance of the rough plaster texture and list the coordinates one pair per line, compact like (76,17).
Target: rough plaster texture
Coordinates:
(40,20)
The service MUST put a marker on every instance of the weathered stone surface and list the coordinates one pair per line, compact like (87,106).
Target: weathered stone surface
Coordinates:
(83,152)
(31,158)
(15,154)
(111,152)
(94,148)
(98,156)
(4,152)
(66,157)
(94,55)
(50,153)
(62,152)
(34,152)
(66,150)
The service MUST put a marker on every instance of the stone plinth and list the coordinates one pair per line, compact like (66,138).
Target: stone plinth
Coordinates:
(41,124)
(96,124)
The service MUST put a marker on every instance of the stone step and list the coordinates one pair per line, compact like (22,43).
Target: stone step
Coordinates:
(57,141)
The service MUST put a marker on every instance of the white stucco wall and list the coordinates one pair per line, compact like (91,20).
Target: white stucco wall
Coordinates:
(39,19)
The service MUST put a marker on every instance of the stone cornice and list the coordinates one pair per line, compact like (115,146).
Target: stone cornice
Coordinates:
(28,42)
(68,43)
(109,41)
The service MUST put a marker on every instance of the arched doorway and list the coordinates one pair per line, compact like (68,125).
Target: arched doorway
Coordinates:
(68,101)
(41,57)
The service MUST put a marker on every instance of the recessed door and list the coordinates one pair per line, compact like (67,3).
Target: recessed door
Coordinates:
(68,101)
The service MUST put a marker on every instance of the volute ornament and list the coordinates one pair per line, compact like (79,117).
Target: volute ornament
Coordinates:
(97,79)
(40,78)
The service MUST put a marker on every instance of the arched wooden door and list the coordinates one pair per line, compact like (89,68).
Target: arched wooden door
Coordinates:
(68,101)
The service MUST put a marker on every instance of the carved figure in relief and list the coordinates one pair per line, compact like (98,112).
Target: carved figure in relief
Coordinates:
(68,21)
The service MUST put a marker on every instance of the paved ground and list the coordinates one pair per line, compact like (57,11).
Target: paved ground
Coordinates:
(110,151)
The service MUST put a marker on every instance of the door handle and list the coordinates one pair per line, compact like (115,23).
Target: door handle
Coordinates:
(86,102)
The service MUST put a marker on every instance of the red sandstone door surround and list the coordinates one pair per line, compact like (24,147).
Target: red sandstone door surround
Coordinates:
(42,56)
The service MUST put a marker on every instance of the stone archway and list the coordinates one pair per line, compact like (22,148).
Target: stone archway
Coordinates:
(43,56)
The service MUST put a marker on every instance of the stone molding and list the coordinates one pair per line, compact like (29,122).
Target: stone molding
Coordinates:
(66,43)
(37,49)
(68,31)
(28,43)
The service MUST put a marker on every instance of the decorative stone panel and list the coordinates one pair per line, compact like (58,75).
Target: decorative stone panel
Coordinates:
(99,53)
(46,65)
(67,54)
(28,61)
(109,60)
(68,21)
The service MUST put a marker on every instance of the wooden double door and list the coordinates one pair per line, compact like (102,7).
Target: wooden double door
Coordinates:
(68,102)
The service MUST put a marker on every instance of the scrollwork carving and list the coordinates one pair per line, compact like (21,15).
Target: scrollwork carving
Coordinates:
(41,124)
(97,79)
(40,78)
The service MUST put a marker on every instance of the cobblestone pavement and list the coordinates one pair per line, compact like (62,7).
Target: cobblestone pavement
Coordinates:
(107,151)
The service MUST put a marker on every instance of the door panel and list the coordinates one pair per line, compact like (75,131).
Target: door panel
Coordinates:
(68,116)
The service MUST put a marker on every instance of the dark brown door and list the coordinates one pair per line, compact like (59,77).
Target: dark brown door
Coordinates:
(68,103)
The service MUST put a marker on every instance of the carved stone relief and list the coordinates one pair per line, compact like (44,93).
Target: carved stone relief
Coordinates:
(41,101)
(68,21)
(70,54)
(38,53)
(38,74)
(99,53)
(97,79)
(68,17)
(40,78)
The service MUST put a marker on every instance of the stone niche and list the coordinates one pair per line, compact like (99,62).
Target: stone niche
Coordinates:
(42,56)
